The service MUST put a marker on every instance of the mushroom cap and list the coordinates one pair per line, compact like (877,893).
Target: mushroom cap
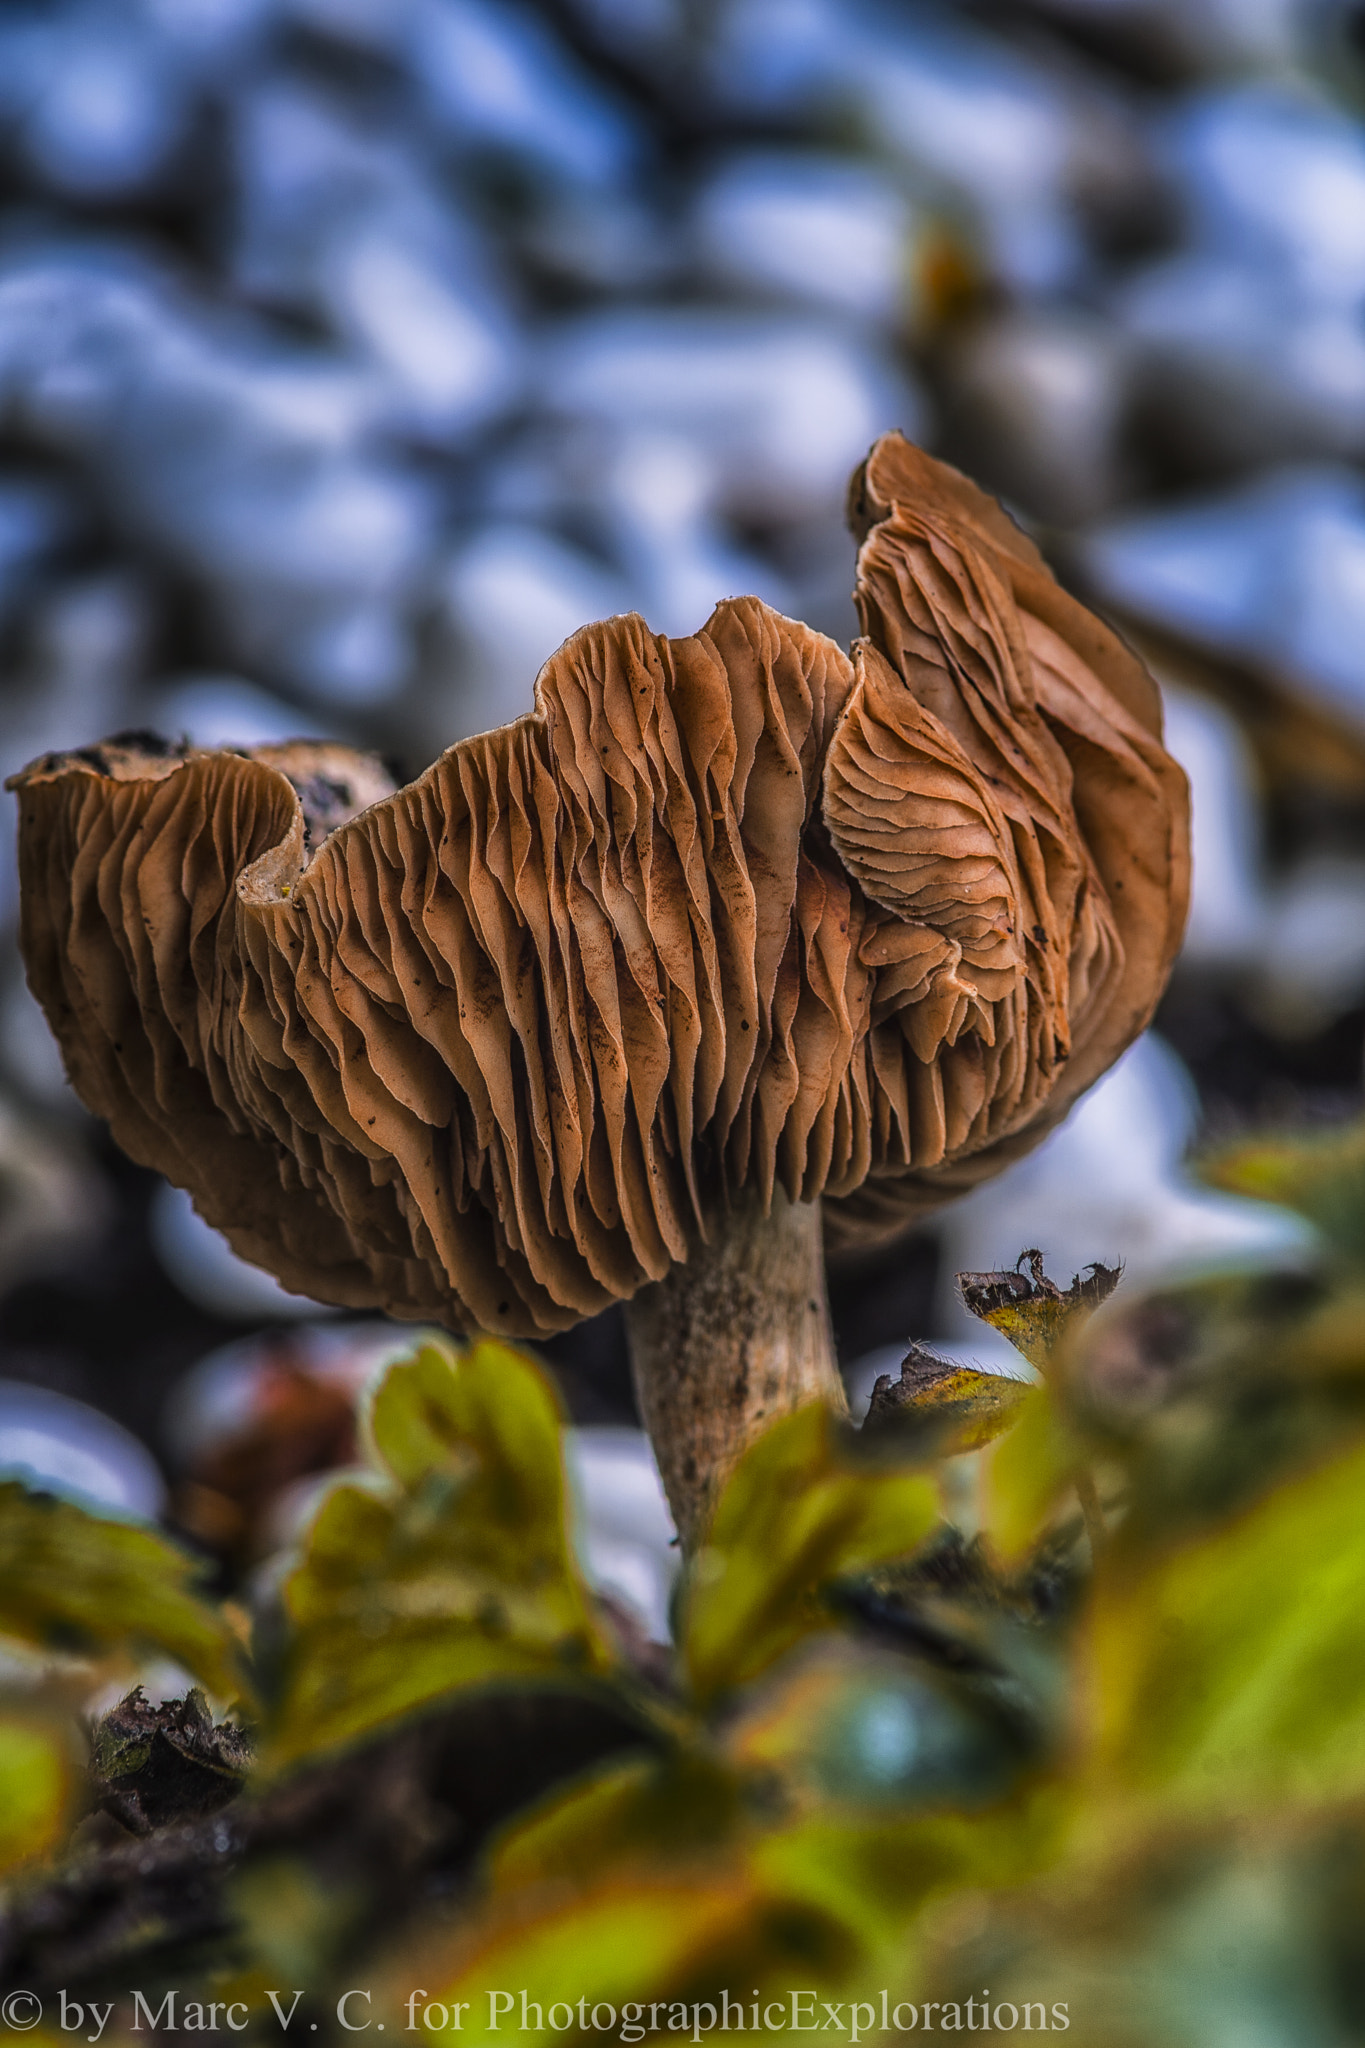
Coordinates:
(727,911)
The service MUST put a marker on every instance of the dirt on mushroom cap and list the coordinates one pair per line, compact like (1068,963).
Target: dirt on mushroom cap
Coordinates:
(720,912)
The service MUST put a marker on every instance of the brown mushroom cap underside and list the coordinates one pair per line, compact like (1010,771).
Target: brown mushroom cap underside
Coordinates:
(720,912)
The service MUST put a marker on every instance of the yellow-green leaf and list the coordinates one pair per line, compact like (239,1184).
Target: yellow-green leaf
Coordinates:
(1232,1670)
(1319,1174)
(75,1583)
(645,1809)
(1027,1473)
(875,1876)
(36,1787)
(798,1511)
(452,1569)
(620,1941)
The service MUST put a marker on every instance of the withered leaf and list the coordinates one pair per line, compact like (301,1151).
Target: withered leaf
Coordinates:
(964,1407)
(153,1764)
(1034,1312)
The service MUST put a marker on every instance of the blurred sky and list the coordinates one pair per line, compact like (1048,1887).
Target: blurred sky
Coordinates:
(354,351)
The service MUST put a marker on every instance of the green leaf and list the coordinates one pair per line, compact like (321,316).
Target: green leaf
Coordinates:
(74,1583)
(486,1424)
(875,1876)
(1027,1473)
(646,1809)
(621,1940)
(1232,1671)
(291,1921)
(799,1510)
(1319,1174)
(37,1784)
(452,1568)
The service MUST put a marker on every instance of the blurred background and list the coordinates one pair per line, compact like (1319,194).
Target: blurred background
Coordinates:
(353,352)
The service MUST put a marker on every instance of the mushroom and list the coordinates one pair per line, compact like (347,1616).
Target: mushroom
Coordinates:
(613,1003)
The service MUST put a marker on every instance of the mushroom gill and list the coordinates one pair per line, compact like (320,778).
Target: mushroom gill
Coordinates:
(607,1001)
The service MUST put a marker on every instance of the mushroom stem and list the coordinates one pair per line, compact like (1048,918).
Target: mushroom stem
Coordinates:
(726,1343)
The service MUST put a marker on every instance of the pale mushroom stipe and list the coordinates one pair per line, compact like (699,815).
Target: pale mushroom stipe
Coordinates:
(726,935)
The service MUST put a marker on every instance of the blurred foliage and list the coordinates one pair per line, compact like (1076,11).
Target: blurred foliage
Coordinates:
(37,1783)
(1096,1743)
(1319,1173)
(87,1587)
(798,1512)
(453,1569)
